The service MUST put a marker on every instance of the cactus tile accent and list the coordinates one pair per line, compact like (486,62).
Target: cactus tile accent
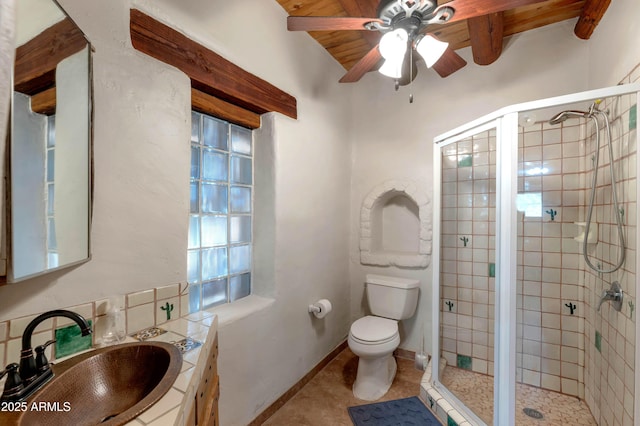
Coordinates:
(598,341)
(69,340)
(633,116)
(451,422)
(168,308)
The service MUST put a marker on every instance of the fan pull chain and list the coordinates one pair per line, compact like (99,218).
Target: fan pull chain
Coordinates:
(410,73)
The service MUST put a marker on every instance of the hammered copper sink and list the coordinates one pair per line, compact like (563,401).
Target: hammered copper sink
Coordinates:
(108,386)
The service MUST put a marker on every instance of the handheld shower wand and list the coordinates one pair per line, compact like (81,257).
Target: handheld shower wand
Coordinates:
(593,114)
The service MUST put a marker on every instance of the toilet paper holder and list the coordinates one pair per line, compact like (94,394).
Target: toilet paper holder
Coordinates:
(321,308)
(316,309)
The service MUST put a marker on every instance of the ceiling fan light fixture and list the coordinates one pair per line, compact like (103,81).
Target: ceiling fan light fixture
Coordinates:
(392,68)
(431,49)
(393,45)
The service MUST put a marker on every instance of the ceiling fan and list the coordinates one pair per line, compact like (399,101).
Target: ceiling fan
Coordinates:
(404,26)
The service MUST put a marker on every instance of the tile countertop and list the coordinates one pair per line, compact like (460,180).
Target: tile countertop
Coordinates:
(176,404)
(174,407)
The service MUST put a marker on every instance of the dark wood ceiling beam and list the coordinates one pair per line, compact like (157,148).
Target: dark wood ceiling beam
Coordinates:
(486,34)
(44,102)
(208,71)
(36,60)
(211,105)
(592,12)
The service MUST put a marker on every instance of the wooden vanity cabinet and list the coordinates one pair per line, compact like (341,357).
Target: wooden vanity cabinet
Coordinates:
(205,409)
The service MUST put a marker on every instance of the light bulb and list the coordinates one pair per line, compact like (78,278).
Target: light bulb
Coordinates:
(391,68)
(394,44)
(431,49)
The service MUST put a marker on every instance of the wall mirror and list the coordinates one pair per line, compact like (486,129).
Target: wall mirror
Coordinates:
(50,147)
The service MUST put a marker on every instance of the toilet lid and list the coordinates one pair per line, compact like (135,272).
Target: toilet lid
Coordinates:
(374,329)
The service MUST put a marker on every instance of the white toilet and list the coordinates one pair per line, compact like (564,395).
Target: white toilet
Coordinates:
(374,337)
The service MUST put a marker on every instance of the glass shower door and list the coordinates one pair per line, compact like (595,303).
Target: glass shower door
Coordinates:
(467,268)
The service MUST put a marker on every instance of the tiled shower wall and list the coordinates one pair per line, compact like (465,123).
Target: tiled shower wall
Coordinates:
(561,343)
(561,335)
(468,252)
(610,335)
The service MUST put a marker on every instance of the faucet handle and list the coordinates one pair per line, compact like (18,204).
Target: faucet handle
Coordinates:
(42,363)
(605,296)
(615,294)
(13,384)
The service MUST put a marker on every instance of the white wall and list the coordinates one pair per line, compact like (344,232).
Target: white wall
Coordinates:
(263,355)
(613,49)
(42,14)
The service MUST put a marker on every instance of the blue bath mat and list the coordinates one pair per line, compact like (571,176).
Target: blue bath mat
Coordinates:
(400,412)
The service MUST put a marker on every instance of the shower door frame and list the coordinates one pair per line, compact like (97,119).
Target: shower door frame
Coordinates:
(505,121)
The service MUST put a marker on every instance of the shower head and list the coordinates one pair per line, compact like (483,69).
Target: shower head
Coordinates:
(565,115)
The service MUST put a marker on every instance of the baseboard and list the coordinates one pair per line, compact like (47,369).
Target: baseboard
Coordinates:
(404,354)
(270,410)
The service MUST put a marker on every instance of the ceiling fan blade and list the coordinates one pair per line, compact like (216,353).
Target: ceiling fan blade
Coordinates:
(449,63)
(362,66)
(327,23)
(465,9)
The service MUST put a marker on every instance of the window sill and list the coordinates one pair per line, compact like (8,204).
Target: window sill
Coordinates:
(240,309)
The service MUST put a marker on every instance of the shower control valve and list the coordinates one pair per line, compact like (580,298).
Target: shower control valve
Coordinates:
(614,294)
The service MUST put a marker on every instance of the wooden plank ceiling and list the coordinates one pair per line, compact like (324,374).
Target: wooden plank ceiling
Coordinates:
(484,34)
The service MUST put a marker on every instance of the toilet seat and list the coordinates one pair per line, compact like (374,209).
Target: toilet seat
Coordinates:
(371,330)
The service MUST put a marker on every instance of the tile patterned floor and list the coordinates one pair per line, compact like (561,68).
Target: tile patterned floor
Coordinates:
(324,400)
(476,391)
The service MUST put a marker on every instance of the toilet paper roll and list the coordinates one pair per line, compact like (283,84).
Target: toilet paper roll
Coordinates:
(321,308)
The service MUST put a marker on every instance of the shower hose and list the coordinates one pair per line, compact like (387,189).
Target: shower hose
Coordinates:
(596,159)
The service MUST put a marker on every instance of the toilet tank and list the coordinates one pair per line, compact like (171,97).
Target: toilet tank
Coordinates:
(391,297)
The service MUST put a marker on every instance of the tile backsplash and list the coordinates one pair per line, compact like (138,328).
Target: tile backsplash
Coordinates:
(141,310)
(69,340)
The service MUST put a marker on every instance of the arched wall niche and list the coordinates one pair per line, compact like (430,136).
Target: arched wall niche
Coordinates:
(395,226)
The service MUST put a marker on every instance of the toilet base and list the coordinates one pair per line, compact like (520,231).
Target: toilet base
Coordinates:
(374,377)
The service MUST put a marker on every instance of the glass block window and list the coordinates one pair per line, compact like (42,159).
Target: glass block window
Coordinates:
(52,244)
(221,207)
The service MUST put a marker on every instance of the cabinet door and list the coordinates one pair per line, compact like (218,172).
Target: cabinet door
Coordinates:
(191,419)
(211,412)
(208,391)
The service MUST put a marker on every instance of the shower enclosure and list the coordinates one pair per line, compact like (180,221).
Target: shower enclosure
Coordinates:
(535,263)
